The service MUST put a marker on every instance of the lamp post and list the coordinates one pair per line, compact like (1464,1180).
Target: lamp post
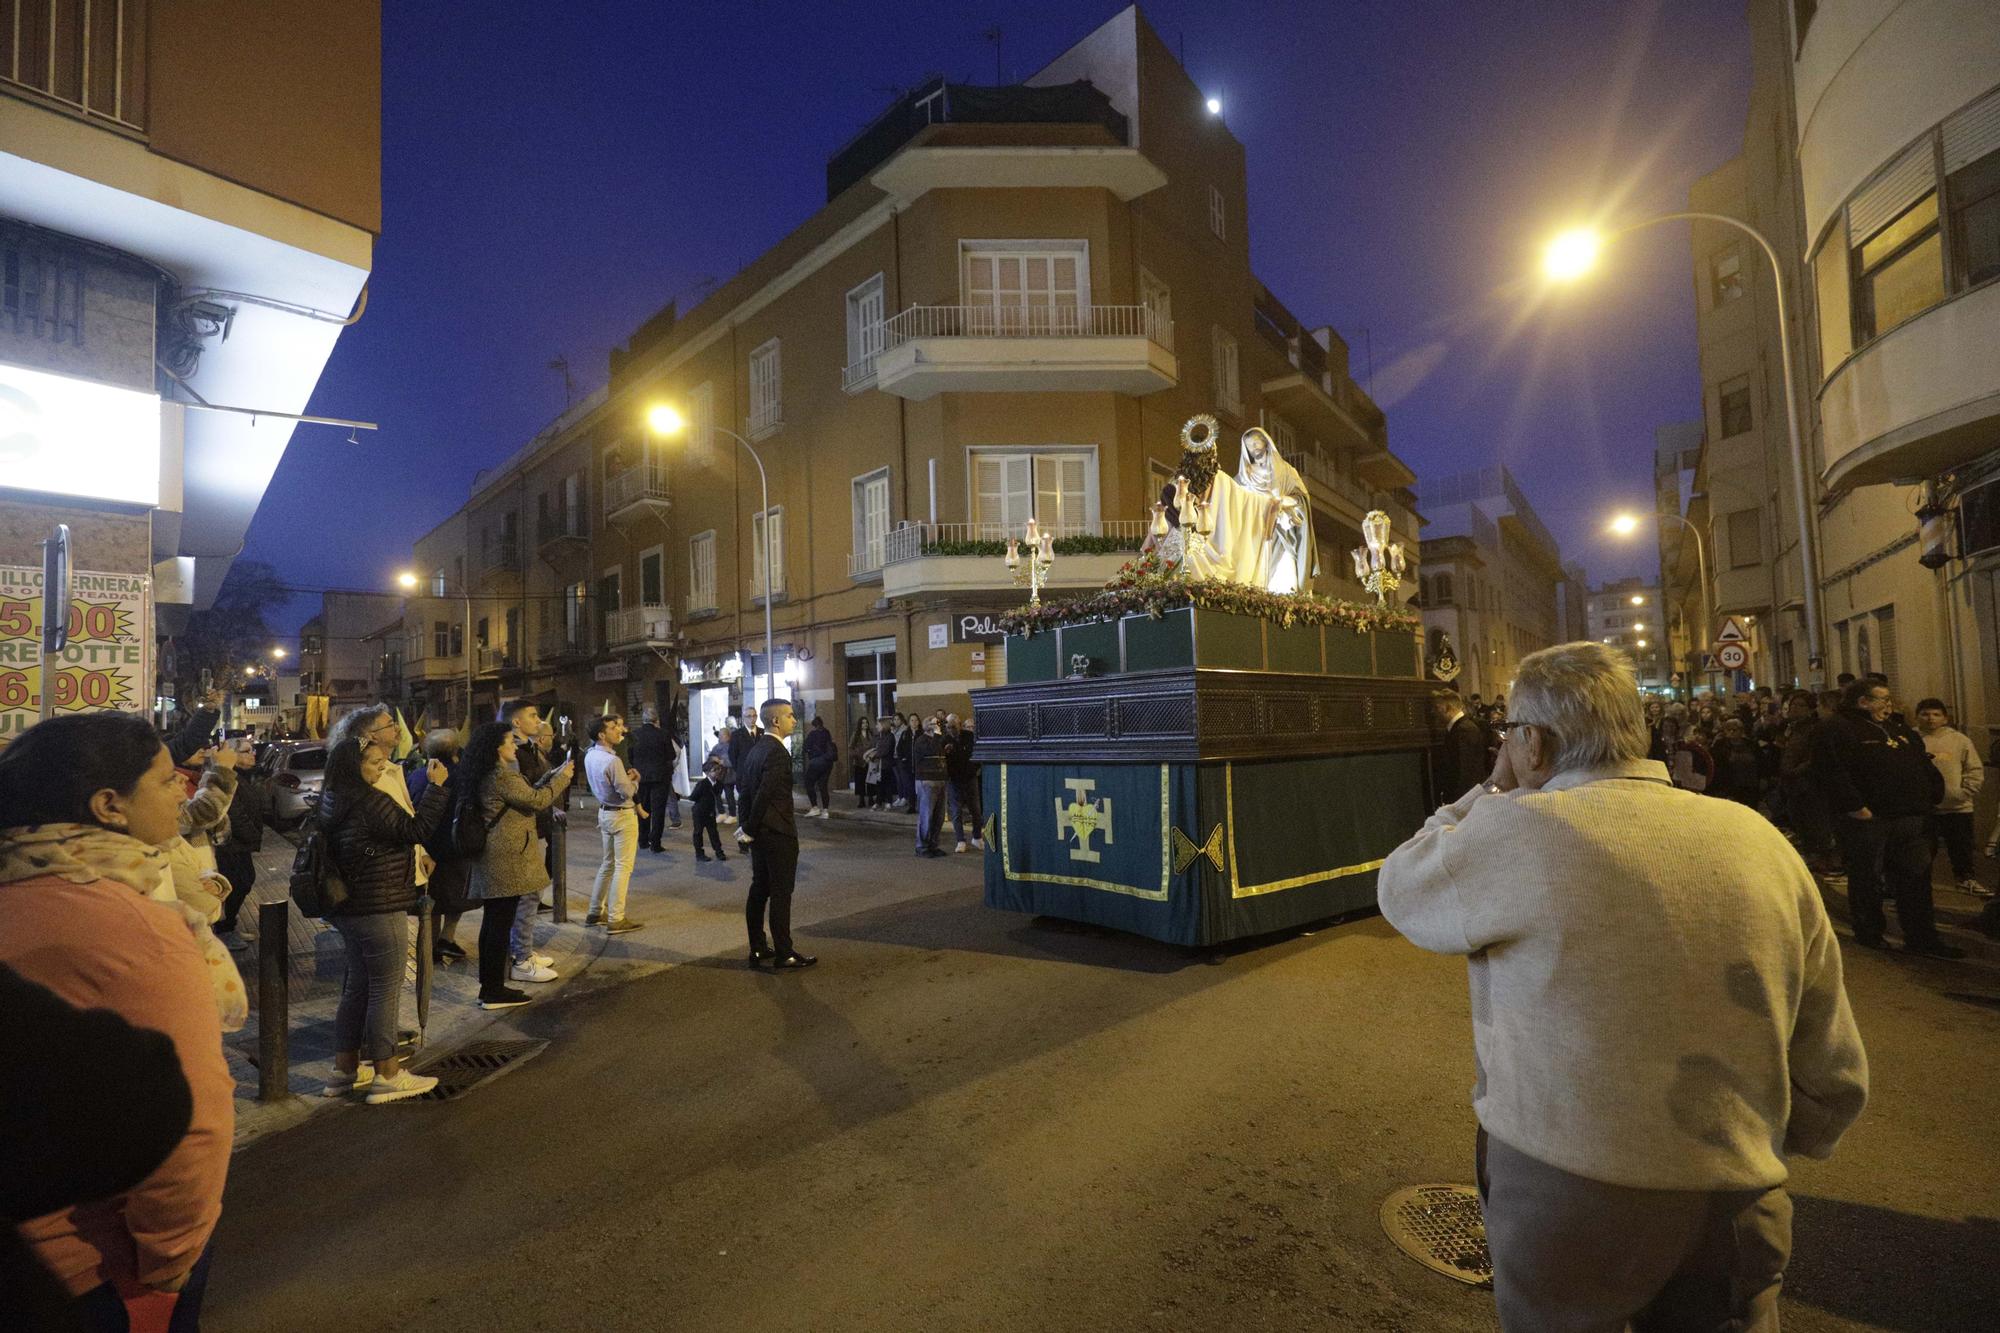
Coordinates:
(409,581)
(1572,254)
(666,422)
(1624,525)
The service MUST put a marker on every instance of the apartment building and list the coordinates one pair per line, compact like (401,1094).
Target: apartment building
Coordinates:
(1010,304)
(1626,614)
(1872,162)
(173,263)
(1682,509)
(341,649)
(1493,577)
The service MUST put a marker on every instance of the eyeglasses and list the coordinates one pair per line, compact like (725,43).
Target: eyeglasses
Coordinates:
(1507,724)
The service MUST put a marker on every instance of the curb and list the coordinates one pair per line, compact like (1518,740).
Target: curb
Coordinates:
(1955,912)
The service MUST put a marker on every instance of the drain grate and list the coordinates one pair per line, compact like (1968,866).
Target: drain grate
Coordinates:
(1441,1227)
(469,1066)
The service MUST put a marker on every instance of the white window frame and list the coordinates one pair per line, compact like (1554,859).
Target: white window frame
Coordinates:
(1218,214)
(758,521)
(1158,299)
(866,310)
(701,572)
(1226,368)
(659,553)
(701,423)
(767,389)
(869,546)
(1009,524)
(1022,249)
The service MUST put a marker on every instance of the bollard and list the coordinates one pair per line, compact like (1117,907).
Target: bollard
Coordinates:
(559,864)
(273,1001)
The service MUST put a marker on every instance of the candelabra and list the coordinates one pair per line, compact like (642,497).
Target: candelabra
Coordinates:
(1033,569)
(1379,564)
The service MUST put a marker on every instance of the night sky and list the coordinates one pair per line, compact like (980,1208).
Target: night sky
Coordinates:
(552,175)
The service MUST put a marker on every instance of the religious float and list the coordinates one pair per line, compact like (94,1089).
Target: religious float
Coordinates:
(1204,750)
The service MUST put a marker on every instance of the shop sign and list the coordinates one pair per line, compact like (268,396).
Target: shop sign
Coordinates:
(977,627)
(68,436)
(692,673)
(611,670)
(107,662)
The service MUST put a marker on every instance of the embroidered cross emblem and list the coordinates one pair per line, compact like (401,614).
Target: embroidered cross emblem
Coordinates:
(1083,817)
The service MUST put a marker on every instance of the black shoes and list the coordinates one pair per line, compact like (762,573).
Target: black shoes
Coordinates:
(701,857)
(446,951)
(1875,942)
(1934,949)
(759,957)
(793,962)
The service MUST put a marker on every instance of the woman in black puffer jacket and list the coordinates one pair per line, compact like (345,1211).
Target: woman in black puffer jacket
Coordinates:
(373,845)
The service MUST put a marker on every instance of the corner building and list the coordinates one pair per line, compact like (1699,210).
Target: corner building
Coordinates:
(1010,304)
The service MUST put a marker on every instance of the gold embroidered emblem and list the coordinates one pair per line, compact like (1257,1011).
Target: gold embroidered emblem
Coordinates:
(1187,850)
(1083,817)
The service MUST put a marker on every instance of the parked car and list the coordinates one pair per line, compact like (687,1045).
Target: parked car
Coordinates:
(294,769)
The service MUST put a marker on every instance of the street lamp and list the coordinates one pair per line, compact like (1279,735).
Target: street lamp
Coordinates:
(409,582)
(277,654)
(667,422)
(1638,601)
(1624,525)
(1573,253)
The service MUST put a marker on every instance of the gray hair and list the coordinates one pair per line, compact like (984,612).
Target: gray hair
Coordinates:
(356,724)
(441,743)
(1587,696)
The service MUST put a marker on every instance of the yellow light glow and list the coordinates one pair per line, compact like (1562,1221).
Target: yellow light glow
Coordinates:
(1215,106)
(1642,643)
(406,579)
(664,420)
(278,653)
(1624,525)
(1640,628)
(1571,254)
(1638,601)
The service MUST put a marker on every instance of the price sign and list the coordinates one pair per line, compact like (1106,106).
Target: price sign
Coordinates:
(107,662)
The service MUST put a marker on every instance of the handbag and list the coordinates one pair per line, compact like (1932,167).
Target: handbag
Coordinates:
(316,884)
(468,835)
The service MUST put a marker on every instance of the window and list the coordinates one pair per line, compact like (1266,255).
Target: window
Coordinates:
(1158,299)
(513,644)
(1441,584)
(1899,269)
(1974,194)
(774,518)
(1836,323)
(575,613)
(1885,642)
(653,578)
(1025,287)
(864,332)
(871,520)
(441,638)
(482,636)
(1217,216)
(701,424)
(1725,276)
(1058,489)
(871,678)
(1224,366)
(1283,436)
(766,391)
(610,591)
(1733,397)
(1745,545)
(701,571)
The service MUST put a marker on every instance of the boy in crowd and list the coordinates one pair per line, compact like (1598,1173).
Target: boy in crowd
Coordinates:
(707,789)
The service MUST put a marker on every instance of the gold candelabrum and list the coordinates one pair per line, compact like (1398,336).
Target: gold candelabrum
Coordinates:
(1032,569)
(1379,564)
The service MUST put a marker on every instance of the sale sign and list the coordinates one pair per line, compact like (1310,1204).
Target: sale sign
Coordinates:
(107,664)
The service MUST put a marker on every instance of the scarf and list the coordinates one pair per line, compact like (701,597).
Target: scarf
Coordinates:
(82,853)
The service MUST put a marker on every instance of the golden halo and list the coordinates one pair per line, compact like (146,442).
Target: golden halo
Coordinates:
(1209,429)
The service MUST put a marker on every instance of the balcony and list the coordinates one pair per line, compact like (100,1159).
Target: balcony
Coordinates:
(932,349)
(701,606)
(923,559)
(496,661)
(865,566)
(88,59)
(565,642)
(502,556)
(638,627)
(1321,476)
(640,489)
(434,668)
(562,532)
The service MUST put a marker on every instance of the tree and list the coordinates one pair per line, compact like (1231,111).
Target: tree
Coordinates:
(232,634)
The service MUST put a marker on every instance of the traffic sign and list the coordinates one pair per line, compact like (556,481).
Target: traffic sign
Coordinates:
(1732,656)
(1732,631)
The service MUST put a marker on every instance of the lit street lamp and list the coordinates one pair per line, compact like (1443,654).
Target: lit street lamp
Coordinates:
(1624,525)
(410,582)
(667,422)
(1573,253)
(277,654)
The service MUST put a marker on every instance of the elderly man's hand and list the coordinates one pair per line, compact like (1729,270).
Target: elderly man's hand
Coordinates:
(1503,771)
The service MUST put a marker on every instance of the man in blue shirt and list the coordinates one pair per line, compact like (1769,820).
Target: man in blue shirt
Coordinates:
(616,788)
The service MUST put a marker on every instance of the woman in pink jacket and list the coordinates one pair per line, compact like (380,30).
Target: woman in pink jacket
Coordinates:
(87,910)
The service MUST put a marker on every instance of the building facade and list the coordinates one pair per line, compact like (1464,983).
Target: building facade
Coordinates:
(1626,614)
(1011,303)
(1872,163)
(1493,578)
(171,258)
(341,657)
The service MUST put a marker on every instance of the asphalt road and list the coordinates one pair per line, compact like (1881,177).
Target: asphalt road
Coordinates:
(966,1119)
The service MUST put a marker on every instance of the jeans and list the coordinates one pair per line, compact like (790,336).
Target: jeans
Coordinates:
(774,866)
(662,806)
(236,865)
(725,800)
(521,943)
(1892,855)
(1571,1253)
(1954,830)
(818,796)
(371,986)
(496,929)
(963,800)
(103,1310)
(704,822)
(930,814)
(620,831)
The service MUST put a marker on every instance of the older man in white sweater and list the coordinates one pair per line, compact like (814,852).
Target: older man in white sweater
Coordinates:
(1657,1012)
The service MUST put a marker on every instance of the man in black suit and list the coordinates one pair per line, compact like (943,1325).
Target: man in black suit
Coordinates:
(770,829)
(652,752)
(1458,759)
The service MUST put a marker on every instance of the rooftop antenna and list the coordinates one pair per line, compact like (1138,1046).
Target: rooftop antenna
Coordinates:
(992,35)
(561,364)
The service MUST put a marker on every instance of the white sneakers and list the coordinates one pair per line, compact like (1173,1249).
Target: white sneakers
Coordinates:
(395,1087)
(825,813)
(978,845)
(725,819)
(531,970)
(341,1084)
(960,847)
(816,812)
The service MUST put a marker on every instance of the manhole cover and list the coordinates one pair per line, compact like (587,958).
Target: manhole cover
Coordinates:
(469,1066)
(1441,1227)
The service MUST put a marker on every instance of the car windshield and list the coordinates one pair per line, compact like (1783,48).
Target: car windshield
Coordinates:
(306,761)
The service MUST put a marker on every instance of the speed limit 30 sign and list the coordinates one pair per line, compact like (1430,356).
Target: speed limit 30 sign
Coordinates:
(1732,656)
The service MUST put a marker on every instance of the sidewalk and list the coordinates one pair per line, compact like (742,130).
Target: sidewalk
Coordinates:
(1955,910)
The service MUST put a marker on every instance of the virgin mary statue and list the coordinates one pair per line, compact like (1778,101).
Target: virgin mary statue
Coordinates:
(1254,528)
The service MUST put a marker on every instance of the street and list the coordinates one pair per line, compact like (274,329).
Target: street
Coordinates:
(965,1119)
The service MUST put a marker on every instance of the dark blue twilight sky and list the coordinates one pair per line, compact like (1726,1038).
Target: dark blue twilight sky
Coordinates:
(552,175)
